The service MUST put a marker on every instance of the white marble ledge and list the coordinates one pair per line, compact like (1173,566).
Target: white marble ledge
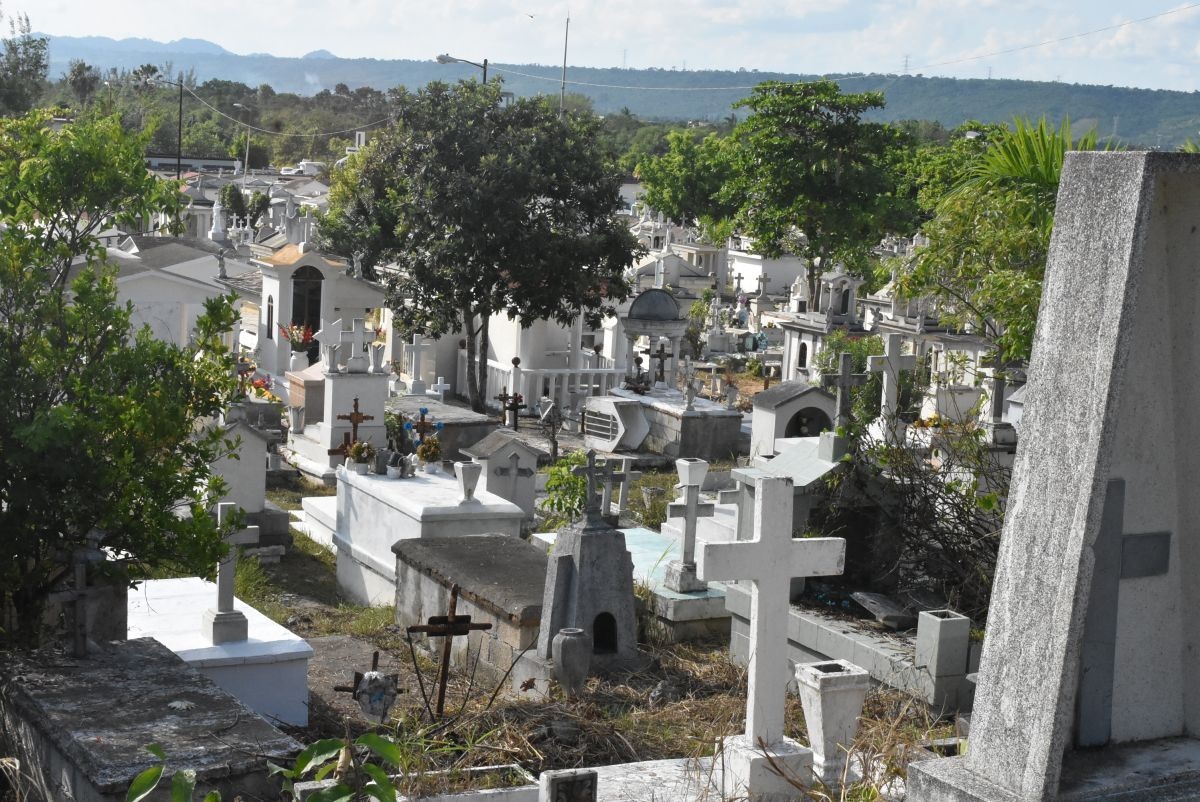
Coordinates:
(170,611)
(430,496)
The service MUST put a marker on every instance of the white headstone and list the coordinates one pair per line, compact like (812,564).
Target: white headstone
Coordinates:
(226,624)
(416,385)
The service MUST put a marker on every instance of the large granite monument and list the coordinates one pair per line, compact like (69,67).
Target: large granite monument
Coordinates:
(1089,685)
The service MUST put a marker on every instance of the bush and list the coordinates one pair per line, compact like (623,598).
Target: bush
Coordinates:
(566,493)
(653,515)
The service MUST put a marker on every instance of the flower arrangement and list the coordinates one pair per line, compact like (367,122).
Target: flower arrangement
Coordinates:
(361,451)
(430,450)
(301,337)
(261,388)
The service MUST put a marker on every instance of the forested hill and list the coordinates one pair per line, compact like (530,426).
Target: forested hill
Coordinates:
(1152,118)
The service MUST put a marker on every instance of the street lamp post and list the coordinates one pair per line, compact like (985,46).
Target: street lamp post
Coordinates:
(446,58)
(246,163)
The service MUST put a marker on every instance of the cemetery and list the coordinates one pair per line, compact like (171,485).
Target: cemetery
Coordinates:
(332,557)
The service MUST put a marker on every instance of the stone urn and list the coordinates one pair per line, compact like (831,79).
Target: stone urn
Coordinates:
(572,653)
(330,357)
(376,352)
(832,694)
(468,477)
(299,360)
(358,467)
(691,471)
(296,419)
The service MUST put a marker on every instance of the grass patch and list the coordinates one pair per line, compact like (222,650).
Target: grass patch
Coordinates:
(253,585)
(661,491)
(289,497)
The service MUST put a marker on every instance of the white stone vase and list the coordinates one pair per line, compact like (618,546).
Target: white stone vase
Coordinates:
(358,467)
(468,477)
(571,649)
(376,352)
(691,471)
(299,361)
(395,472)
(431,467)
(832,694)
(296,419)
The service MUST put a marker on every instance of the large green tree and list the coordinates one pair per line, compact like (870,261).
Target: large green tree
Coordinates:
(23,67)
(98,423)
(484,207)
(686,183)
(990,233)
(814,178)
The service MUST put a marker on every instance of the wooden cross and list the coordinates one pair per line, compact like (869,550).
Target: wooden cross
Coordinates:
(844,380)
(595,475)
(890,365)
(422,426)
(769,561)
(355,418)
(448,626)
(510,405)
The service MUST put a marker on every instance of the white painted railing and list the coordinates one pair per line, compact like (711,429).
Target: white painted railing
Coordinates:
(533,383)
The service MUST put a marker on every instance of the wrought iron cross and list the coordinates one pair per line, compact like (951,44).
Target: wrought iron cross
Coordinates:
(355,418)
(448,626)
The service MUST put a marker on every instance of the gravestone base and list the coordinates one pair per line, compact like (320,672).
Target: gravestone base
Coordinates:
(1164,770)
(748,773)
(224,627)
(681,578)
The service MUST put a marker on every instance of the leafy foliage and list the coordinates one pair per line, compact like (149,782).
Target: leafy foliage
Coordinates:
(98,423)
(815,179)
(990,233)
(686,182)
(484,208)
(566,493)
(23,67)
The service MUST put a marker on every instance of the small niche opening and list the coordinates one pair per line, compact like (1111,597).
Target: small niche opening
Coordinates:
(604,634)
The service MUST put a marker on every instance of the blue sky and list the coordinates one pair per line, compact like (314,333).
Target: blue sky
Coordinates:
(937,37)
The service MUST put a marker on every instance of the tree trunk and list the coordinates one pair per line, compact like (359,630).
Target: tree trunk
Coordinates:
(472,382)
(484,344)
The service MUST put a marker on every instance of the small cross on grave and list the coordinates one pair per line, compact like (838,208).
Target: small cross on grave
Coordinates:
(681,573)
(514,472)
(626,475)
(769,561)
(422,426)
(510,406)
(440,388)
(844,381)
(595,475)
(890,365)
(737,290)
(763,281)
(448,626)
(551,420)
(225,624)
(662,356)
(374,691)
(355,417)
(356,339)
(415,385)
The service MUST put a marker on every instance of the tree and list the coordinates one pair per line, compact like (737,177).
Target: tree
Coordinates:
(23,67)
(83,80)
(813,178)
(484,208)
(990,235)
(98,424)
(686,182)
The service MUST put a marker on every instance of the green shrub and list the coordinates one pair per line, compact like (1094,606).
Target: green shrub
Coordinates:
(653,514)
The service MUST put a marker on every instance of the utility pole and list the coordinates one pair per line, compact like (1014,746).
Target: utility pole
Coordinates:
(179,135)
(562,92)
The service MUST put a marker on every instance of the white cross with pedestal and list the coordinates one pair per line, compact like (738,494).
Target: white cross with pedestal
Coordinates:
(769,561)
(415,385)
(226,624)
(356,338)
(681,573)
(890,365)
(440,388)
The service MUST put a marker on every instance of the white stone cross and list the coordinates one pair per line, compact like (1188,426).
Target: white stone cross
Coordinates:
(356,338)
(416,386)
(763,281)
(440,388)
(890,365)
(770,561)
(681,575)
(225,623)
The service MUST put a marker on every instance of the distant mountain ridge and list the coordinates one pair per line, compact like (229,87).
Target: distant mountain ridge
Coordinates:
(1140,117)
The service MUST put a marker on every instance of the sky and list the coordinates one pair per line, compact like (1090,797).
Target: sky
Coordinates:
(957,38)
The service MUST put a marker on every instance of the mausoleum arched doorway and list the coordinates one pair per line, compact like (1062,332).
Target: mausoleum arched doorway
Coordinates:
(307,284)
(808,422)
